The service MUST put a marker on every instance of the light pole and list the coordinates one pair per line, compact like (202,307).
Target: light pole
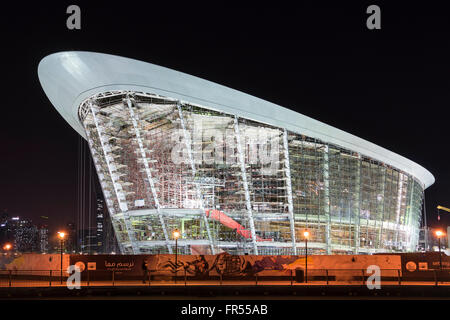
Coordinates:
(176,235)
(61,236)
(306,235)
(439,234)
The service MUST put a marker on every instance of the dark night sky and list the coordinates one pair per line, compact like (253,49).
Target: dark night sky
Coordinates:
(388,86)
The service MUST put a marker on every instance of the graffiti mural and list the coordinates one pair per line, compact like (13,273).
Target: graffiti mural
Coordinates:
(204,265)
(224,264)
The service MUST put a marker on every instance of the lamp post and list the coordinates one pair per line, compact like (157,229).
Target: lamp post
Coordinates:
(176,234)
(439,234)
(61,236)
(306,235)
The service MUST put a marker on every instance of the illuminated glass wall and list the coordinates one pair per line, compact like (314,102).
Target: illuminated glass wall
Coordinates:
(232,184)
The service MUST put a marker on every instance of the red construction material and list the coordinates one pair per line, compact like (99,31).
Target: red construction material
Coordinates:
(230,223)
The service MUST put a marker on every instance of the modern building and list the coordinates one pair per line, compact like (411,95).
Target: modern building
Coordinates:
(106,242)
(71,243)
(232,172)
(428,241)
(89,244)
(100,217)
(110,242)
(26,237)
(7,228)
(43,239)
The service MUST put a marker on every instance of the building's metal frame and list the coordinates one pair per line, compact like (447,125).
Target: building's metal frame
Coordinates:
(116,185)
(287,169)
(188,144)
(129,104)
(245,183)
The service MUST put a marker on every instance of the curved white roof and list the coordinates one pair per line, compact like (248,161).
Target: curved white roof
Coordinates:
(68,78)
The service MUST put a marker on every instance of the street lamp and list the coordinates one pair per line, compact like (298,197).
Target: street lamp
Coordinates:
(306,235)
(176,234)
(439,234)
(61,236)
(7,247)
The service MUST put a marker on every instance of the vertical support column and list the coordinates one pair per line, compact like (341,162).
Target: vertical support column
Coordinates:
(326,182)
(194,171)
(416,222)
(117,186)
(287,170)
(148,172)
(356,235)
(398,207)
(411,237)
(380,233)
(114,221)
(425,230)
(128,226)
(245,183)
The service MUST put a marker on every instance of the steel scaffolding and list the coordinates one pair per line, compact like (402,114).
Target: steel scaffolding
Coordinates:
(223,195)
(147,171)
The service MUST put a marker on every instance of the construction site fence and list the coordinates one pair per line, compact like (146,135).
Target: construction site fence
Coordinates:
(56,278)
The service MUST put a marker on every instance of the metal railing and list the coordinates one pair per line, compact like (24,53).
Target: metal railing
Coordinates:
(325,277)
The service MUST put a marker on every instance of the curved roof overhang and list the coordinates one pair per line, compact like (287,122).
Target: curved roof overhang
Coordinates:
(68,78)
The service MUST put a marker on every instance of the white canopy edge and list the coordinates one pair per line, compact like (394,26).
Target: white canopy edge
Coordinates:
(68,78)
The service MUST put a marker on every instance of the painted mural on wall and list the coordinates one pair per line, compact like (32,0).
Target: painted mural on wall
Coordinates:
(195,265)
(223,264)
(202,266)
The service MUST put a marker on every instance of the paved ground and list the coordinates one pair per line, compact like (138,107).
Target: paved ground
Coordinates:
(216,292)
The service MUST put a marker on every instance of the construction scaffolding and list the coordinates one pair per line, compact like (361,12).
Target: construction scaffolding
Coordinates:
(236,185)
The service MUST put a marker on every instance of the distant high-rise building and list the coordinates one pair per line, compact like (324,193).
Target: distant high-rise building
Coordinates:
(105,238)
(43,239)
(100,224)
(26,236)
(425,240)
(89,241)
(8,228)
(3,226)
(428,237)
(110,244)
(71,243)
(3,217)
(23,234)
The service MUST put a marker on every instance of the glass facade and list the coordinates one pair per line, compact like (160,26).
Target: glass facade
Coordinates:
(232,184)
